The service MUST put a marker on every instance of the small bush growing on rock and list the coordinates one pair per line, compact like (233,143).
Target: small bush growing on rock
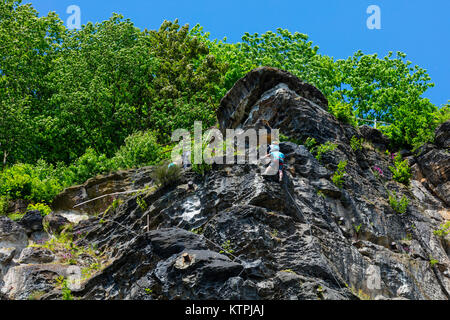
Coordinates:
(62,283)
(343,112)
(203,167)
(24,181)
(443,230)
(398,206)
(16,216)
(401,170)
(433,261)
(36,295)
(41,207)
(140,148)
(324,148)
(197,231)
(288,271)
(284,138)
(310,143)
(338,177)
(227,247)
(141,203)
(165,176)
(89,165)
(356,143)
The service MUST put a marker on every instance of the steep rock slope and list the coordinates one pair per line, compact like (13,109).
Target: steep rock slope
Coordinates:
(235,234)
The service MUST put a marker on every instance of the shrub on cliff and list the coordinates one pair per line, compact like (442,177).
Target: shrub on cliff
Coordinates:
(140,148)
(401,170)
(164,175)
(25,181)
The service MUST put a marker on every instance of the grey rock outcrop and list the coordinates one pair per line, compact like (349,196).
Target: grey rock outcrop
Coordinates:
(32,221)
(32,255)
(55,222)
(236,234)
(95,188)
(12,235)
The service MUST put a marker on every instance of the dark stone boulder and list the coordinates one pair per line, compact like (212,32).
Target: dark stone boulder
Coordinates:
(55,223)
(92,190)
(32,221)
(35,255)
(236,104)
(442,136)
(12,235)
(434,171)
(21,282)
(167,242)
(375,136)
(6,255)
(281,100)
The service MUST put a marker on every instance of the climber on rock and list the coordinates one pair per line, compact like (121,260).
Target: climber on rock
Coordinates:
(277,161)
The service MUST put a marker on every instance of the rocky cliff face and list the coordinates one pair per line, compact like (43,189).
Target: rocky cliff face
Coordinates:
(235,234)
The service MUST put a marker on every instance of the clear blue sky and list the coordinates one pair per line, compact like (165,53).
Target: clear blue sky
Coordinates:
(419,28)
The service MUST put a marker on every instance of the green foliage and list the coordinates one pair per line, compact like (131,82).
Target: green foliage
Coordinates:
(356,143)
(37,183)
(62,92)
(321,194)
(320,150)
(4,201)
(140,149)
(88,165)
(36,295)
(338,177)
(227,247)
(41,207)
(197,231)
(28,46)
(310,143)
(148,291)
(433,262)
(141,203)
(66,292)
(164,176)
(284,138)
(16,216)
(443,230)
(68,251)
(399,206)
(343,112)
(388,89)
(203,167)
(289,271)
(401,170)
(274,233)
(43,181)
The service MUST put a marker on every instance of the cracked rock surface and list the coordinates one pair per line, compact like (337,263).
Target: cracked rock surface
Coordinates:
(240,235)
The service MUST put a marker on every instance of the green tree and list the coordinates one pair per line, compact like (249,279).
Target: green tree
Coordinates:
(28,44)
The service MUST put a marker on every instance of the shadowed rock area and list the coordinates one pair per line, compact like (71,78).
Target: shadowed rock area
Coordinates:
(237,234)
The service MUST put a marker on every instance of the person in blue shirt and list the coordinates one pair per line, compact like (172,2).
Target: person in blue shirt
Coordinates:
(277,162)
(172,164)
